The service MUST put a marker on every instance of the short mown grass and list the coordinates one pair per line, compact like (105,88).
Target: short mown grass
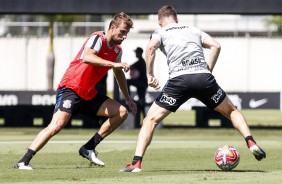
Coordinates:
(174,156)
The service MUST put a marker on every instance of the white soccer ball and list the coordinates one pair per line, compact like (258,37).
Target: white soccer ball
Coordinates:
(226,157)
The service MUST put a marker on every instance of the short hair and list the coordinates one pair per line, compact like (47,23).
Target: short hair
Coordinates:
(121,18)
(167,11)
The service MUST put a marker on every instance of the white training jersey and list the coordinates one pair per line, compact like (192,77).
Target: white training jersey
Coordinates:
(182,45)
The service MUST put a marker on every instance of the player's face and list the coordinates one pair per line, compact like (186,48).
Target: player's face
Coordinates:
(120,33)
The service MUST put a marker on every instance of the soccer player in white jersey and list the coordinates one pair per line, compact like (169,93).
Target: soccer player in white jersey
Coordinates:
(190,76)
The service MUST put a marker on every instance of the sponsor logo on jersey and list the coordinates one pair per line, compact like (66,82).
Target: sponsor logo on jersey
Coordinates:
(217,96)
(190,62)
(166,99)
(179,27)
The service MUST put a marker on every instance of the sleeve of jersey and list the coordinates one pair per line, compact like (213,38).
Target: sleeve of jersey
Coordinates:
(94,43)
(203,35)
(156,36)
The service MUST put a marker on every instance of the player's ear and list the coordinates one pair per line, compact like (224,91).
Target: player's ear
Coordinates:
(160,23)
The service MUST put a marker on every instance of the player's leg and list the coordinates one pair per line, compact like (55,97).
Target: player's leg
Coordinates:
(57,123)
(116,114)
(154,116)
(227,108)
(61,115)
(215,98)
(173,95)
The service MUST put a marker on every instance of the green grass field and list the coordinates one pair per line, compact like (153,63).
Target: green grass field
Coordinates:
(257,118)
(175,156)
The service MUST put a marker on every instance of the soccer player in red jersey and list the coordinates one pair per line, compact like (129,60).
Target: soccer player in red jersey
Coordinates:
(77,94)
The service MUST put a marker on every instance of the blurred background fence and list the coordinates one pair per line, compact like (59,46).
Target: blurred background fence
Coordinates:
(250,59)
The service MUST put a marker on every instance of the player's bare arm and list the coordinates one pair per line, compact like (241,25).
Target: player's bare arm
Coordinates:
(152,46)
(121,80)
(91,57)
(214,46)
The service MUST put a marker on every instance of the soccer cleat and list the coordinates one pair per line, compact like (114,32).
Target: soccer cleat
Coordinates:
(22,166)
(257,152)
(91,155)
(132,168)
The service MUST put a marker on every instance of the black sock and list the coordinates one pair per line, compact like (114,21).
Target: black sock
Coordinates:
(93,142)
(28,156)
(136,159)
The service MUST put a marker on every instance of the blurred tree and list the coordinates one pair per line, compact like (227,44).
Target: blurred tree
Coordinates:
(277,22)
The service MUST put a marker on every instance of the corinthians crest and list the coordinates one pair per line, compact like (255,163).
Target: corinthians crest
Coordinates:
(67,104)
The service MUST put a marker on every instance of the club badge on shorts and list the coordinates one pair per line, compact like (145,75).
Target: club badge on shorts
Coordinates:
(67,104)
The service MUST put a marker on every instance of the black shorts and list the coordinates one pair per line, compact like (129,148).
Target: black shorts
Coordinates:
(68,101)
(201,86)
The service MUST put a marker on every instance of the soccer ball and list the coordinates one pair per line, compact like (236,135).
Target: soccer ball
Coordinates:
(226,157)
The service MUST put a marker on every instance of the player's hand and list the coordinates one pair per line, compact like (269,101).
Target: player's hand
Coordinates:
(153,82)
(123,66)
(132,106)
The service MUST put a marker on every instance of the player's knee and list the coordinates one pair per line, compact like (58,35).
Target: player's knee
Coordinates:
(123,112)
(226,108)
(150,120)
(228,112)
(55,127)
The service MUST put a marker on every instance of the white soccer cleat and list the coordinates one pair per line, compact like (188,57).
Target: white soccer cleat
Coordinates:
(91,155)
(22,166)
(257,152)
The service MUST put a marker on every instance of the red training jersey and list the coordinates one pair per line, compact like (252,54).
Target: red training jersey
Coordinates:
(81,77)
